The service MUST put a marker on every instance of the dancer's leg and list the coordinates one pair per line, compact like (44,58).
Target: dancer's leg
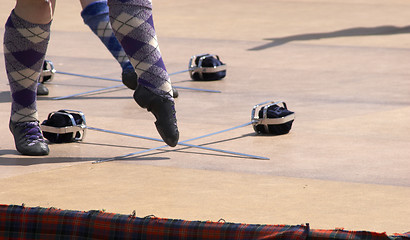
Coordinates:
(95,16)
(133,26)
(26,38)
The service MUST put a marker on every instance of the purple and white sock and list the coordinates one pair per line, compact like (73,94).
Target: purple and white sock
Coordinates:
(133,26)
(25,45)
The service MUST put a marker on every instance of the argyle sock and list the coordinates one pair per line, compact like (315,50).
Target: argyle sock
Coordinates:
(96,17)
(25,45)
(133,25)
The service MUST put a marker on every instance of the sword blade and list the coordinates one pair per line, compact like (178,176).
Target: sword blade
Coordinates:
(117,80)
(88,92)
(108,79)
(88,76)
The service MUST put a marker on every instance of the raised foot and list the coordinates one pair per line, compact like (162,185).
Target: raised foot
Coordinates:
(163,110)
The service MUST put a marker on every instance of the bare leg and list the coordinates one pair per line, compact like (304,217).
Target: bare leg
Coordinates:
(35,11)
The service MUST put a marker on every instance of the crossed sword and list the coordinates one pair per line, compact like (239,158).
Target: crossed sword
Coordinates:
(183,143)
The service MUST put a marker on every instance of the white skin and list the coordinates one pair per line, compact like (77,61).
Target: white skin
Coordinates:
(40,11)
(35,11)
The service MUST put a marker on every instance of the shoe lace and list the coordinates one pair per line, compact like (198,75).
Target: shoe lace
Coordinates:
(31,131)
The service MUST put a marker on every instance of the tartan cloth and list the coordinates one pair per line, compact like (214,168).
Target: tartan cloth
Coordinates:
(18,222)
(404,236)
(318,234)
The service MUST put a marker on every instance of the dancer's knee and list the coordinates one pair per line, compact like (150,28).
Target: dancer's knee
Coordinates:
(35,11)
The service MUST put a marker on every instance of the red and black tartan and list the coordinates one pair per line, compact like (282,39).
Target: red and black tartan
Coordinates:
(18,222)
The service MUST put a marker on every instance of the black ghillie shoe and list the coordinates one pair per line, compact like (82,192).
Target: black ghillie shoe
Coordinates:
(42,90)
(130,80)
(28,138)
(175,93)
(163,110)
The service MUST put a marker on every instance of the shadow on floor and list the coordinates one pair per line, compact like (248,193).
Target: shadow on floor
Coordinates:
(350,32)
(5,97)
(29,161)
(16,159)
